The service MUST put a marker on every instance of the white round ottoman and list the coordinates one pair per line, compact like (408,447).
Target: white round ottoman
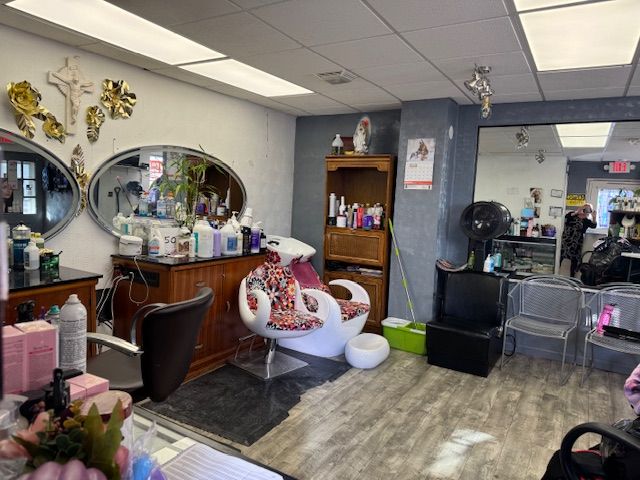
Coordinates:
(367,350)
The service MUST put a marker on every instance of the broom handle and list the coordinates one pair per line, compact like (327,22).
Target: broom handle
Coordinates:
(404,278)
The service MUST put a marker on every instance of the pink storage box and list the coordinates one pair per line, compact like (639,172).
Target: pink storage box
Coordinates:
(41,352)
(87,385)
(14,360)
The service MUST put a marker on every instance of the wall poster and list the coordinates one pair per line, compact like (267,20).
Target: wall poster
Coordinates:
(418,170)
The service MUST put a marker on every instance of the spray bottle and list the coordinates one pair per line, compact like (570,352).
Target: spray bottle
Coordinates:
(255,237)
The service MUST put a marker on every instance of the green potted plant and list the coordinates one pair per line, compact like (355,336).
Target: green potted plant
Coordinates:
(187,180)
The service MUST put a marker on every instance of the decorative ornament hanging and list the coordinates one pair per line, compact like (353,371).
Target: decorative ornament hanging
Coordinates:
(25,99)
(480,86)
(522,137)
(72,83)
(117,98)
(82,177)
(95,118)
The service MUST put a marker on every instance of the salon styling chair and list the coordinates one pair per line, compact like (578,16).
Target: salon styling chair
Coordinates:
(158,366)
(271,306)
(465,334)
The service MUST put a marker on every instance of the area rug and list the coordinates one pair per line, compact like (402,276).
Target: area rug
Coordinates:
(235,405)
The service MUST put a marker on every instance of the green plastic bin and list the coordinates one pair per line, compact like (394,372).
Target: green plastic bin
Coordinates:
(405,335)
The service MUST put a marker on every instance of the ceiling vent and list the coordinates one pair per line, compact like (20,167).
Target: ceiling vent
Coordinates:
(336,78)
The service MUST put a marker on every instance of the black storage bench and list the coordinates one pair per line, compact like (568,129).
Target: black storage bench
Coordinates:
(466,333)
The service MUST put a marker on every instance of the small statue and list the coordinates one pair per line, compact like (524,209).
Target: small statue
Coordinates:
(362,136)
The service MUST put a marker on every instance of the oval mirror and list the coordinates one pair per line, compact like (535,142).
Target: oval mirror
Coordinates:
(141,175)
(37,188)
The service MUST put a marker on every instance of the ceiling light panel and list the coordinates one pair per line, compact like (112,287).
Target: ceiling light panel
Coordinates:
(583,142)
(523,5)
(584,129)
(583,36)
(111,24)
(248,78)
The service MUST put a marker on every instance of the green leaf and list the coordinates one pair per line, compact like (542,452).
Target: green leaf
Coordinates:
(62,441)
(77,435)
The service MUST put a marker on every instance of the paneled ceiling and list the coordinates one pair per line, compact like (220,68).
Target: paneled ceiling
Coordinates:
(400,50)
(623,143)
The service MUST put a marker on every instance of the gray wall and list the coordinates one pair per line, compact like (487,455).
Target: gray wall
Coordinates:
(579,172)
(420,216)
(313,141)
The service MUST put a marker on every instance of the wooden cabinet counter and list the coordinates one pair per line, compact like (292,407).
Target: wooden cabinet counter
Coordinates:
(172,280)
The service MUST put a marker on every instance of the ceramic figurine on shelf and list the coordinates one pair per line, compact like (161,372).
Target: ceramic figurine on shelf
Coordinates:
(362,136)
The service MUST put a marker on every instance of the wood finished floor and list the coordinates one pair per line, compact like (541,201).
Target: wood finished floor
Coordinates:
(409,420)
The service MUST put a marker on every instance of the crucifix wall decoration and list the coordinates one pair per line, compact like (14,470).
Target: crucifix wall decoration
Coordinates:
(73,84)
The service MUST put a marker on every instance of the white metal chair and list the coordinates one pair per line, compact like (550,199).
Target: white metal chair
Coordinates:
(626,299)
(546,306)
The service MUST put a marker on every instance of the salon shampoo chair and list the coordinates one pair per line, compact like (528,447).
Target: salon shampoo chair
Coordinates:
(158,366)
(465,334)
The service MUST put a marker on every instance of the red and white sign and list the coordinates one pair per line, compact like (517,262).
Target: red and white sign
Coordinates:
(620,166)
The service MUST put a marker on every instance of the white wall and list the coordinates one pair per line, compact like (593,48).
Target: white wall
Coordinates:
(508,178)
(255,141)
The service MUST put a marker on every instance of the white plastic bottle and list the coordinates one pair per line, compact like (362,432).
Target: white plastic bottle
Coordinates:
(204,244)
(155,244)
(192,246)
(31,256)
(217,242)
(488,264)
(143,205)
(161,207)
(72,331)
(255,237)
(239,242)
(229,240)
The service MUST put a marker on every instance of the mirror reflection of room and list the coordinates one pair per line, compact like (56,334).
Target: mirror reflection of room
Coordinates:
(569,188)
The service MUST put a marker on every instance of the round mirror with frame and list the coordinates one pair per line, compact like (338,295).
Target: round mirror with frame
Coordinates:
(117,184)
(37,188)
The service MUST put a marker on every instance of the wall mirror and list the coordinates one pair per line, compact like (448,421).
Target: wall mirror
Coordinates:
(37,187)
(541,172)
(117,185)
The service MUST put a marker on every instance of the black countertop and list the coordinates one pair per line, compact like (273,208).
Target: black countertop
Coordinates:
(171,261)
(24,280)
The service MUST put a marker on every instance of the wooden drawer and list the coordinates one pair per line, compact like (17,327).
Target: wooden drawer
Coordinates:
(366,247)
(374,287)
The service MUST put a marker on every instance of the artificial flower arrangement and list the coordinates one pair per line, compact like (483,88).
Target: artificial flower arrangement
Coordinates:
(80,447)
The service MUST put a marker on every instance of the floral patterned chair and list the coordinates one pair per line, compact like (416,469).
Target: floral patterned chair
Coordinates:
(271,306)
(331,339)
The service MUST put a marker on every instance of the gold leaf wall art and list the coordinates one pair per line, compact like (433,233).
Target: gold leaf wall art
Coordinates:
(77,166)
(117,98)
(95,119)
(25,100)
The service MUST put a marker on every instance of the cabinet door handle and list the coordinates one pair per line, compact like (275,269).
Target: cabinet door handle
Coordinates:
(198,347)
(228,306)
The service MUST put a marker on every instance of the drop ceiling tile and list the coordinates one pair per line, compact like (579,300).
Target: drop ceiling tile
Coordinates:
(332,110)
(385,75)
(170,12)
(376,107)
(122,55)
(461,68)
(12,18)
(314,22)
(309,102)
(510,84)
(183,75)
(236,35)
(633,91)
(406,15)
(424,90)
(246,4)
(386,50)
(516,97)
(584,93)
(327,88)
(483,37)
(300,61)
(589,78)
(635,81)
(361,94)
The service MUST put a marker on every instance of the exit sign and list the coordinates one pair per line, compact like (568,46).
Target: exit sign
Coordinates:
(619,167)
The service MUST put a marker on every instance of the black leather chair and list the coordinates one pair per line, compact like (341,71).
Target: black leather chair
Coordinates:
(465,334)
(157,367)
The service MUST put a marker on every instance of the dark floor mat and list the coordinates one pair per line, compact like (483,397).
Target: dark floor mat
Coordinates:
(233,404)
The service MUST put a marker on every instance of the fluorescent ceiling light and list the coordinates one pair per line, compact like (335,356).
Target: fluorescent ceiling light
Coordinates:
(583,142)
(583,129)
(522,5)
(583,36)
(106,22)
(248,78)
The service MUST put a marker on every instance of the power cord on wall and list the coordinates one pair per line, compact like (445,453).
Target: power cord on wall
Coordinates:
(146,296)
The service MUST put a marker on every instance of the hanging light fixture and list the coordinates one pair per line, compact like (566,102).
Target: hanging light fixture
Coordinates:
(480,86)
(522,138)
(540,156)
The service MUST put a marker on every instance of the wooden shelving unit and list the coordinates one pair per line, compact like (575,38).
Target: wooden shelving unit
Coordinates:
(362,179)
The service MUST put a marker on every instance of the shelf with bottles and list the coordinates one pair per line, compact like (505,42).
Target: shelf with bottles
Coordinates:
(524,255)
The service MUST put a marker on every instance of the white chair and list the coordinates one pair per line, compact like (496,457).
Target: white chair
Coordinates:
(546,306)
(269,309)
(626,299)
